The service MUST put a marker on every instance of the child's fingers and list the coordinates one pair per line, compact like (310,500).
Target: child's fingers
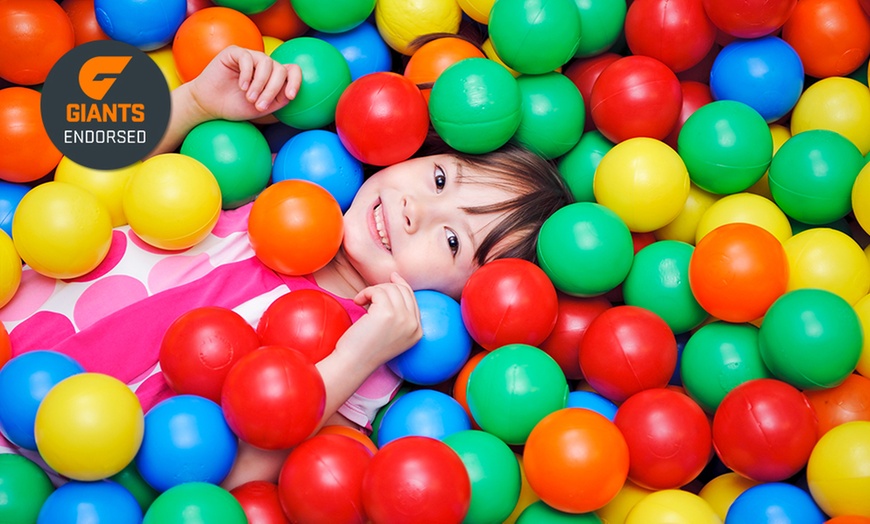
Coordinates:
(294,80)
(405,291)
(246,69)
(262,72)
(272,89)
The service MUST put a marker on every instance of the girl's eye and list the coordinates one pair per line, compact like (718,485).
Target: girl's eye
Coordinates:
(440,179)
(452,241)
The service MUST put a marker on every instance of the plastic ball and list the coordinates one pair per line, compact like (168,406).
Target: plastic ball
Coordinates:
(764,73)
(84,20)
(832,37)
(726,146)
(862,308)
(10,196)
(26,151)
(382,118)
(36,33)
(279,21)
(674,506)
(535,37)
(509,301)
(166,63)
(576,460)
(321,480)
(130,478)
(578,165)
(588,235)
(146,25)
(432,58)
(553,114)
(584,72)
(248,7)
(563,344)
(444,347)
(237,155)
(764,429)
(643,181)
(593,402)
(746,208)
(737,271)
(837,470)
(837,104)
(10,272)
(685,226)
(416,479)
(847,402)
(477,10)
(601,26)
(860,198)
(788,502)
(620,506)
(828,259)
(659,29)
(350,432)
(195,502)
(325,76)
(308,320)
(24,487)
(512,389)
(318,156)
(61,230)
(89,426)
(627,349)
(401,22)
(107,185)
(273,398)
(636,96)
(721,491)
(460,383)
(259,499)
(95,502)
(336,17)
(423,413)
(695,96)
(475,105)
(203,34)
(747,20)
(540,512)
(363,48)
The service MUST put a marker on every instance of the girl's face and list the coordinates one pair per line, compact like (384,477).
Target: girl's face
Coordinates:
(409,218)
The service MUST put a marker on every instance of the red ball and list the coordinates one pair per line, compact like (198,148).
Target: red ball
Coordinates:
(308,320)
(5,346)
(749,18)
(636,96)
(416,479)
(295,227)
(273,398)
(279,21)
(668,435)
(831,37)
(765,430)
(563,344)
(36,33)
(695,96)
(627,349)
(201,346)
(847,402)
(322,478)
(677,32)
(584,72)
(509,301)
(382,118)
(26,151)
(259,499)
(84,20)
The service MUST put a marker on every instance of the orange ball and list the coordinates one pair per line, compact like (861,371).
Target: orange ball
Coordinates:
(737,271)
(26,151)
(840,404)
(206,33)
(5,346)
(832,37)
(576,460)
(280,21)
(36,33)
(295,227)
(432,58)
(460,385)
(849,519)
(347,431)
(84,20)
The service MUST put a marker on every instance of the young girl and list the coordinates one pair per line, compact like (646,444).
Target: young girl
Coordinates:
(425,223)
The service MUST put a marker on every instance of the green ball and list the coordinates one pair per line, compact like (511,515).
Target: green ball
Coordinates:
(130,478)
(249,7)
(512,388)
(475,105)
(539,512)
(578,165)
(726,146)
(659,281)
(24,487)
(238,156)
(552,114)
(325,76)
(494,474)
(717,358)
(535,37)
(812,174)
(585,249)
(335,16)
(811,338)
(195,503)
(602,22)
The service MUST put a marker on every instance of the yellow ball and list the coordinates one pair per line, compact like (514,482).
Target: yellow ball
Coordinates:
(270,43)
(780,134)
(165,61)
(617,510)
(527,495)
(838,472)
(89,426)
(644,181)
(490,53)
(828,259)
(723,490)
(107,185)
(861,198)
(400,22)
(478,10)
(683,227)
(61,230)
(673,506)
(10,269)
(837,104)
(862,308)
(172,202)
(746,208)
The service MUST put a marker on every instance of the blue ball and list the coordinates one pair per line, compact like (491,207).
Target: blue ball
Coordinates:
(765,73)
(186,439)
(10,196)
(147,25)
(24,382)
(774,503)
(423,412)
(318,156)
(445,345)
(593,402)
(100,502)
(363,48)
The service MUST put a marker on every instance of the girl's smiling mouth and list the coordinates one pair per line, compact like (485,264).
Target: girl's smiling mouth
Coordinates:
(381,226)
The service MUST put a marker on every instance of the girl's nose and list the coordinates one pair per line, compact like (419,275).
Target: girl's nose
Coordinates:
(410,214)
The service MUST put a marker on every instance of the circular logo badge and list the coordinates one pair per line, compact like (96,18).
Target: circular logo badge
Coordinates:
(105,104)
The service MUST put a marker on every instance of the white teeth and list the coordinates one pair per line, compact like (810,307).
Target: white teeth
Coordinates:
(379,223)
